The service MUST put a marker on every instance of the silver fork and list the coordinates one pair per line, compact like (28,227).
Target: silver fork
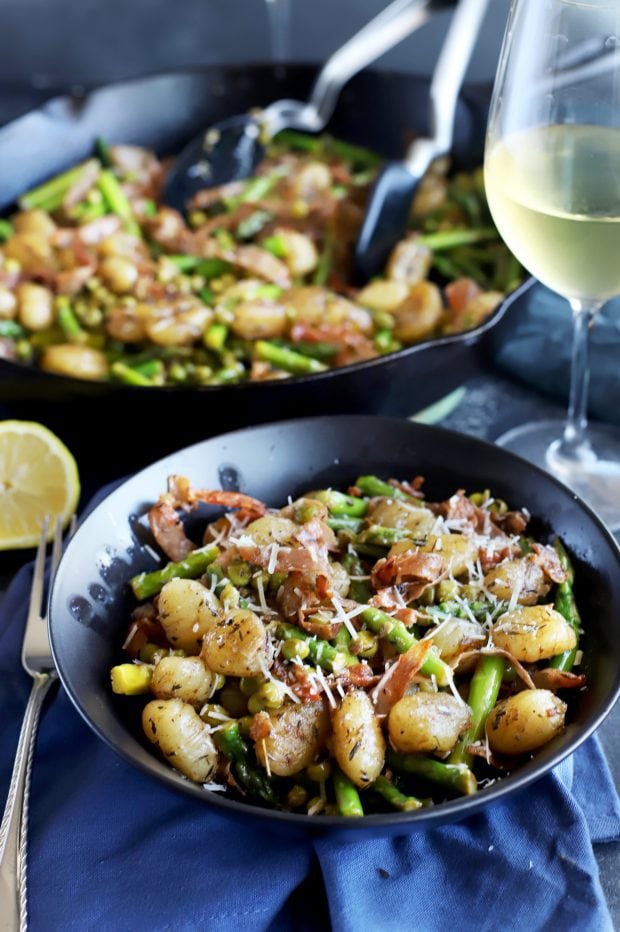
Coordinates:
(37,661)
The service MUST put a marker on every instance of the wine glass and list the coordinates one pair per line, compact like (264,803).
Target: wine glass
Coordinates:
(552,175)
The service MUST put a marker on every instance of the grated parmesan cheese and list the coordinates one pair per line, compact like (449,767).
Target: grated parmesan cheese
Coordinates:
(130,634)
(455,691)
(330,696)
(273,558)
(152,553)
(345,617)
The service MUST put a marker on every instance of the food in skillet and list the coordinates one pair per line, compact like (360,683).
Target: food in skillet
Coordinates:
(99,280)
(351,653)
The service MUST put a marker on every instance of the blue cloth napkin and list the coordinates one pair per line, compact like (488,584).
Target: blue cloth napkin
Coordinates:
(111,849)
(534,345)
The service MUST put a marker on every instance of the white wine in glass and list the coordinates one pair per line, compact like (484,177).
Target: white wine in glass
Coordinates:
(552,175)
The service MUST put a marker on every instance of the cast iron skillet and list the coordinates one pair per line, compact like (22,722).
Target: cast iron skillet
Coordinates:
(376,109)
(90,603)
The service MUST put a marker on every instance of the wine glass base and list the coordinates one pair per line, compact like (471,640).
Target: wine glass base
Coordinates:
(594,475)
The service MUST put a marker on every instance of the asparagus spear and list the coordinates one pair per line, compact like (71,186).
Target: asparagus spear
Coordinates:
(324,265)
(455,777)
(340,504)
(321,350)
(50,195)
(229,741)
(383,536)
(347,797)
(69,323)
(373,486)
(567,607)
(287,359)
(359,588)
(398,636)
(480,610)
(483,692)
(117,201)
(450,239)
(195,564)
(321,652)
(343,523)
(130,375)
(394,797)
(358,155)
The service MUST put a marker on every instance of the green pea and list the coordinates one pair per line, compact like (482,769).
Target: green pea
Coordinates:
(240,573)
(364,645)
(320,772)
(295,648)
(297,797)
(234,701)
(447,589)
(249,684)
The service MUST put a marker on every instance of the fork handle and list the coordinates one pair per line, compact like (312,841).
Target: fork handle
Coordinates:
(14,826)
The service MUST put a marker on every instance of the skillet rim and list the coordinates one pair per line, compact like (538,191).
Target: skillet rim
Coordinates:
(468,338)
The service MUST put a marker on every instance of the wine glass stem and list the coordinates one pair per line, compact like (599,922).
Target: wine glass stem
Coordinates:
(575,444)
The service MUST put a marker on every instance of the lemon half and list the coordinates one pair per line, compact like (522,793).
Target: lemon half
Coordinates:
(38,477)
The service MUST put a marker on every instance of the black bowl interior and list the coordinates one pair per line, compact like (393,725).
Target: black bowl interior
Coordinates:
(90,601)
(377,109)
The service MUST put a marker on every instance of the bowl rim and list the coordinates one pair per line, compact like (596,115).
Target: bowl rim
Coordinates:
(449,811)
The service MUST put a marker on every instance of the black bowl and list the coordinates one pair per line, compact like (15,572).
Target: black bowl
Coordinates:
(90,600)
(377,109)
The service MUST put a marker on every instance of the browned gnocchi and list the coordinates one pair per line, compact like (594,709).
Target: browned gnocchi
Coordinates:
(352,651)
